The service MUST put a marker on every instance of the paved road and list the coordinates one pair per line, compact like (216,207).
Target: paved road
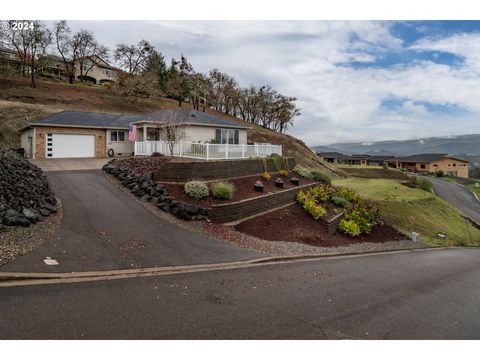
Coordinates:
(457,196)
(414,295)
(104,228)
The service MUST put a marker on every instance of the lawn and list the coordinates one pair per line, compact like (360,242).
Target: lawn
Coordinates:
(415,210)
(372,172)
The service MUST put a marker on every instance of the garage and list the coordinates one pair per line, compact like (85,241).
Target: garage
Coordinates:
(69,145)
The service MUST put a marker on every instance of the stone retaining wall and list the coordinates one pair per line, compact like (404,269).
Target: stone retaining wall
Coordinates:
(212,170)
(239,210)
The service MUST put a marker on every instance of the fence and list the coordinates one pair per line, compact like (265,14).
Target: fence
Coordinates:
(207,151)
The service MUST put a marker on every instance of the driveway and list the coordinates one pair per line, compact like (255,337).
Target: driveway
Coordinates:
(457,196)
(431,294)
(70,164)
(104,228)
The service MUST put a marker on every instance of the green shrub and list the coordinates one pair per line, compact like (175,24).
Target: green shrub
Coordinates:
(223,190)
(414,180)
(196,189)
(349,228)
(423,184)
(440,173)
(339,201)
(348,194)
(318,175)
(315,211)
(385,166)
(303,172)
(366,217)
(301,197)
(321,192)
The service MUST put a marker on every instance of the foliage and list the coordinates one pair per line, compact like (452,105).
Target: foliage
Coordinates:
(266,176)
(309,200)
(423,184)
(349,228)
(348,194)
(339,201)
(196,189)
(385,166)
(321,192)
(316,211)
(223,190)
(365,216)
(283,173)
(303,172)
(321,176)
(440,173)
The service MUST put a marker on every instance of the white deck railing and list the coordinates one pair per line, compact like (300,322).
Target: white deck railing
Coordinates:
(207,151)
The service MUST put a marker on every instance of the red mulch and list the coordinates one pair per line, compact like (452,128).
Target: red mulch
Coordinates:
(244,189)
(293,224)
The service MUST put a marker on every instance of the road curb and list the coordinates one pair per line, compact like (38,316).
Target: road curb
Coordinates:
(8,279)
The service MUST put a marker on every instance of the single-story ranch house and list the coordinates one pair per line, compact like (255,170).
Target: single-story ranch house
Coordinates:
(73,134)
(432,163)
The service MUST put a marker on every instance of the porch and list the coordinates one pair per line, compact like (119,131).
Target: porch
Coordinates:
(207,151)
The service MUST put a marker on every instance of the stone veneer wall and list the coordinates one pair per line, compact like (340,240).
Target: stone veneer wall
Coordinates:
(211,170)
(239,210)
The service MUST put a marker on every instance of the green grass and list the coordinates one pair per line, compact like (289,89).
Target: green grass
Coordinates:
(383,189)
(415,210)
(372,172)
(475,189)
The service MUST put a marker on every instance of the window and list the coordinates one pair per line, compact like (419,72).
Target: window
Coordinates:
(226,136)
(422,166)
(107,72)
(454,164)
(117,136)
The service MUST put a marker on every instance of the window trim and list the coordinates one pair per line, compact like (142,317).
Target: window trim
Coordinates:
(118,132)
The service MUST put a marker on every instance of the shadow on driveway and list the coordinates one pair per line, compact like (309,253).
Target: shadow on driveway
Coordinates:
(104,229)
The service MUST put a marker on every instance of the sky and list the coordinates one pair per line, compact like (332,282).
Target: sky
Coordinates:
(355,81)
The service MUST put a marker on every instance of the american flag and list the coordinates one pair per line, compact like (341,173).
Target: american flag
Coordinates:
(132,132)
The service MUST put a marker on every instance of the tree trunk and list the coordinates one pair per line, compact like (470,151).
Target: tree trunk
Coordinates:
(33,78)
(70,78)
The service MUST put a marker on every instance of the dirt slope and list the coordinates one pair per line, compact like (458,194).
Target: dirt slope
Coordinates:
(19,103)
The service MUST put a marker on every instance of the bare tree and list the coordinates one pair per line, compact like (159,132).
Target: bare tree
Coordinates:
(18,40)
(90,52)
(133,58)
(172,128)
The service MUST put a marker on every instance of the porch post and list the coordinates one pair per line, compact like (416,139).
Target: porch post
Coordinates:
(256,149)
(144,133)
(208,151)
(226,150)
(243,151)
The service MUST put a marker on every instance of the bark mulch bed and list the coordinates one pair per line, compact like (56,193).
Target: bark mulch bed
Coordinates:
(293,224)
(146,164)
(243,189)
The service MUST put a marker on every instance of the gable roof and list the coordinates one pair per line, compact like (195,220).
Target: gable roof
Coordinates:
(122,121)
(193,117)
(425,158)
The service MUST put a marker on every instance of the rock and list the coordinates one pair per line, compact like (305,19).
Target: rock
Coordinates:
(145,198)
(30,215)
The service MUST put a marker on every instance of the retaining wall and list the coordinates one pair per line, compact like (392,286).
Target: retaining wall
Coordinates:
(212,170)
(239,210)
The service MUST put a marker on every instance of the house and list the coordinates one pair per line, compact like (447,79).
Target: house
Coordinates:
(432,163)
(74,134)
(96,70)
(10,60)
(378,160)
(332,157)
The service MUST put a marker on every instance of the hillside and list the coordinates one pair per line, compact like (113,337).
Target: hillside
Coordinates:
(455,145)
(19,103)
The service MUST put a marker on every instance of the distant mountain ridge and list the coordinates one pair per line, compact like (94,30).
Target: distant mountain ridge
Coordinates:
(453,145)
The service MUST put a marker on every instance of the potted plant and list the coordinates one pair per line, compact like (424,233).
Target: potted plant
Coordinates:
(258,186)
(279,182)
(295,181)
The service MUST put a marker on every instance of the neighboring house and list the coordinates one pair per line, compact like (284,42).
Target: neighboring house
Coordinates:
(432,163)
(10,60)
(96,70)
(378,160)
(332,157)
(74,134)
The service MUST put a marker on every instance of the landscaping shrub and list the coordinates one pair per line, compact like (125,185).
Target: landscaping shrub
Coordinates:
(385,166)
(316,211)
(280,162)
(339,201)
(303,172)
(318,175)
(348,194)
(321,192)
(266,176)
(223,190)
(349,228)
(365,216)
(156,154)
(440,173)
(423,184)
(196,189)
(283,173)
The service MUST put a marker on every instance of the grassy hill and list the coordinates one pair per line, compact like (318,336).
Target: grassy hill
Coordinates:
(19,103)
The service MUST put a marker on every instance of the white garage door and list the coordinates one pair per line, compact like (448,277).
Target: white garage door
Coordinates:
(70,146)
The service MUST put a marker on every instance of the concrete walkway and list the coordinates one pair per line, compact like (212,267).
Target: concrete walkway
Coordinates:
(70,164)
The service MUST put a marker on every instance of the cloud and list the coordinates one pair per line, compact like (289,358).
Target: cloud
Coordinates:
(313,61)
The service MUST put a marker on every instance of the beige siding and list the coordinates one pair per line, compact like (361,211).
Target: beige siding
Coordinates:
(206,134)
(119,147)
(26,142)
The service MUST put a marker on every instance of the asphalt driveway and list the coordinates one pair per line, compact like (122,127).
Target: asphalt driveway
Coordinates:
(104,228)
(457,196)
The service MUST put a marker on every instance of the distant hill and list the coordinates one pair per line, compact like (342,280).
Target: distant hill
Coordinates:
(454,145)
